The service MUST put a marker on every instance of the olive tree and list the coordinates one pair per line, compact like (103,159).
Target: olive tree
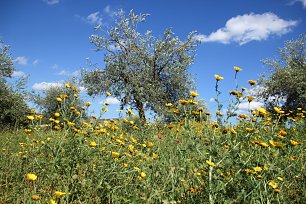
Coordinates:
(13,108)
(286,84)
(142,71)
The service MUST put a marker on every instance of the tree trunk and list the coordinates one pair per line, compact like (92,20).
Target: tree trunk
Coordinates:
(139,106)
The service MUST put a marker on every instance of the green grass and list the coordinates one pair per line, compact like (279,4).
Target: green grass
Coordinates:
(156,164)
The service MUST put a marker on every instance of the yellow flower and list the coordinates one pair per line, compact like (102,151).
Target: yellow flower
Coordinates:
(51,201)
(88,103)
(36,197)
(93,144)
(136,169)
(115,154)
(58,99)
(67,85)
(233,131)
(169,104)
(262,111)
(56,114)
(30,117)
(155,156)
(194,94)
(210,163)
(70,124)
(273,184)
(108,94)
(294,143)
(59,194)
(31,177)
(218,113)
(143,174)
(280,178)
(250,99)
(257,169)
(104,109)
(261,143)
(252,82)
(237,69)
(278,110)
(218,78)
(276,144)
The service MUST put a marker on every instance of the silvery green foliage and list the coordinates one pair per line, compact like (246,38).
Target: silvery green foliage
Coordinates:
(6,62)
(285,86)
(141,70)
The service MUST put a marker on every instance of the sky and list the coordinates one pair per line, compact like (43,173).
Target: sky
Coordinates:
(49,39)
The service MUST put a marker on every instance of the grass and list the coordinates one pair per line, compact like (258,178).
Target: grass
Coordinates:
(197,163)
(192,160)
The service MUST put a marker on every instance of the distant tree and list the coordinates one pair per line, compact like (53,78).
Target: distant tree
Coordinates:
(13,108)
(6,62)
(64,99)
(286,85)
(140,70)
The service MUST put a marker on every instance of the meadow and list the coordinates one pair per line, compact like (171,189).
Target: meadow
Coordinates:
(259,159)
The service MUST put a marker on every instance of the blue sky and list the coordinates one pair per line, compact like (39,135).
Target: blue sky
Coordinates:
(49,39)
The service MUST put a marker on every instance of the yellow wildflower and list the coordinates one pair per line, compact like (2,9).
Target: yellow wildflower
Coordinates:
(262,111)
(273,184)
(276,144)
(93,144)
(115,154)
(294,143)
(58,99)
(31,177)
(56,114)
(218,78)
(250,99)
(108,94)
(169,104)
(36,197)
(51,201)
(67,85)
(280,178)
(30,117)
(210,163)
(87,103)
(194,94)
(237,69)
(59,194)
(143,174)
(252,82)
(257,169)
(155,156)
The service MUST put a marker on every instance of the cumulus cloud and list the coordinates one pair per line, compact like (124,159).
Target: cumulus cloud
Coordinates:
(111,101)
(249,27)
(94,18)
(46,85)
(21,60)
(301,1)
(18,74)
(51,2)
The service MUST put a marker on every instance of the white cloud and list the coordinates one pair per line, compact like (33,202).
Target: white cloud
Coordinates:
(94,18)
(51,2)
(35,62)
(302,1)
(65,72)
(21,60)
(45,85)
(249,27)
(18,74)
(111,101)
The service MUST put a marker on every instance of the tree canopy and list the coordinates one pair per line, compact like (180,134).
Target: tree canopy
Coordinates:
(286,85)
(141,70)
